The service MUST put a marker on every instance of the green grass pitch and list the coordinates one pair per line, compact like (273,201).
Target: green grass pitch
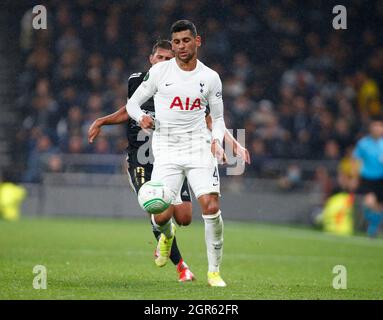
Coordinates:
(113,259)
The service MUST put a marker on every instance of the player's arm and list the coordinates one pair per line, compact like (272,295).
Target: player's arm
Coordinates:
(238,149)
(120,116)
(218,124)
(144,92)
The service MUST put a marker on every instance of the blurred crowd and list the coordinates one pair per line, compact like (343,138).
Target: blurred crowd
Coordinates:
(301,89)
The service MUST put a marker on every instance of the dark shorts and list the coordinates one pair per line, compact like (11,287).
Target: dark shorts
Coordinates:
(372,186)
(139,174)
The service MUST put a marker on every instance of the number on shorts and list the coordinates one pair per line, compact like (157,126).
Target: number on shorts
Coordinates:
(139,173)
(215,175)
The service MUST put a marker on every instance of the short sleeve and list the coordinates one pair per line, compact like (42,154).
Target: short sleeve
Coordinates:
(134,81)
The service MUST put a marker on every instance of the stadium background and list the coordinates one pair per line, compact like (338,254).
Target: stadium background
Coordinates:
(302,91)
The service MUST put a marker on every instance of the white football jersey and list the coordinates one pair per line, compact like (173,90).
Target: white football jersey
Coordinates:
(180,98)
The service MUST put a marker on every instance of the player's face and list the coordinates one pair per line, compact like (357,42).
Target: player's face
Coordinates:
(185,45)
(376,129)
(160,55)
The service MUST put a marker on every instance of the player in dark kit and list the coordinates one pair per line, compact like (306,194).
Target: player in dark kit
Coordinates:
(140,169)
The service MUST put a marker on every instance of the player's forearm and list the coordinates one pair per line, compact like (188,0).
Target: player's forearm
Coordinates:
(218,129)
(208,122)
(134,110)
(229,139)
(120,116)
(134,103)
(218,123)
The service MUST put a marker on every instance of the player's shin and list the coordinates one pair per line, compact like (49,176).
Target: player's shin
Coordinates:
(165,228)
(155,230)
(214,240)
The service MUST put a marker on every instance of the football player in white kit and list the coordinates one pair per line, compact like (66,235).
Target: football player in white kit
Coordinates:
(182,88)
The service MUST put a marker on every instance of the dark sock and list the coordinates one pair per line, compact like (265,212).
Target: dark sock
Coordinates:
(157,234)
(175,254)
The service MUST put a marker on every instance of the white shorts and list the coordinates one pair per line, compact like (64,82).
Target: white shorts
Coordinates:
(184,159)
(202,180)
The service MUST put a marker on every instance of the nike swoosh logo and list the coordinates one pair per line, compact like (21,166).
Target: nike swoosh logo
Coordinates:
(168,84)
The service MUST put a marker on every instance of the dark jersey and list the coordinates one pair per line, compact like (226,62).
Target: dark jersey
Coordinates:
(148,107)
(139,174)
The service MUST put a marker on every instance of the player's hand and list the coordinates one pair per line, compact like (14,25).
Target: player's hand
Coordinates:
(146,122)
(94,131)
(218,152)
(243,153)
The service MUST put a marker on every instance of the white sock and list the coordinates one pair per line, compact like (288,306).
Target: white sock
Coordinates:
(155,226)
(166,229)
(214,240)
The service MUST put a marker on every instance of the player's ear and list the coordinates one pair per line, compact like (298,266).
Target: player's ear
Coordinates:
(198,41)
(151,59)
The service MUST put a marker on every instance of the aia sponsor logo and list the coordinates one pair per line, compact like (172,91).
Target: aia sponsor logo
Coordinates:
(186,105)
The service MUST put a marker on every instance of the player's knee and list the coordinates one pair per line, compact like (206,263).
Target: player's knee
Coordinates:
(160,220)
(164,217)
(183,221)
(183,214)
(209,204)
(211,208)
